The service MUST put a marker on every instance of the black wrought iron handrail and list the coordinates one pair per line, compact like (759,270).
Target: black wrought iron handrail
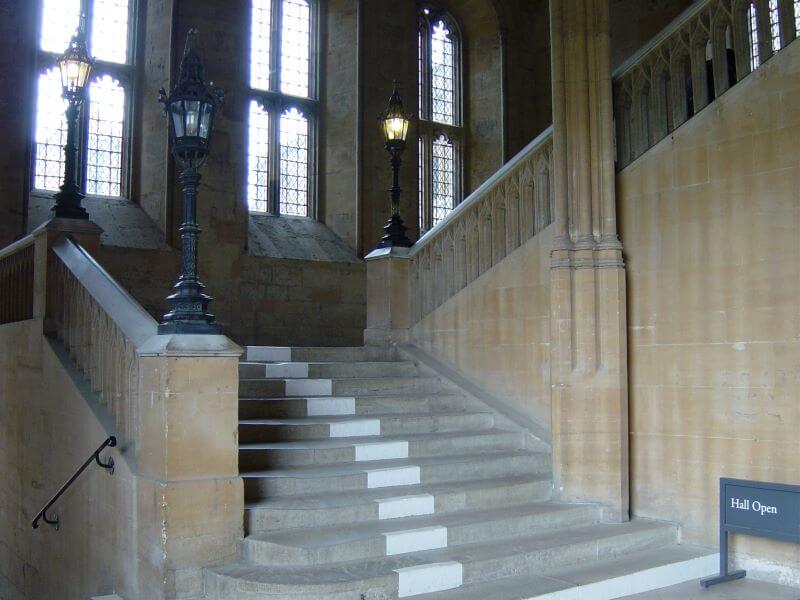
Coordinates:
(110,442)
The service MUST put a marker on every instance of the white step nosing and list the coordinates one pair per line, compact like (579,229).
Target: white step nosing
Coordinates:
(425,579)
(381,451)
(393,476)
(641,581)
(405,541)
(397,507)
(330,406)
(355,428)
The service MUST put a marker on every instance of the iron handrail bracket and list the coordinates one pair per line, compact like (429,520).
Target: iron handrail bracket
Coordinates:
(110,442)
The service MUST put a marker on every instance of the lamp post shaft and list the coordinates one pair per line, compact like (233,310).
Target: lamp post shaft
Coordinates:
(394,192)
(69,198)
(189,313)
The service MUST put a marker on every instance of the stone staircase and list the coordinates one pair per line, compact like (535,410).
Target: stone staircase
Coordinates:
(369,477)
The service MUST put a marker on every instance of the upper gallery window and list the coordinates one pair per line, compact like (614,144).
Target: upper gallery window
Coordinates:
(283,107)
(103,132)
(440,126)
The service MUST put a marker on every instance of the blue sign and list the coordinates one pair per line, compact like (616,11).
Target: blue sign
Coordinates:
(770,510)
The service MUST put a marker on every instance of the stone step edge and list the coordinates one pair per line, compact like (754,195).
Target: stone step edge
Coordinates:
(434,521)
(378,567)
(578,585)
(361,497)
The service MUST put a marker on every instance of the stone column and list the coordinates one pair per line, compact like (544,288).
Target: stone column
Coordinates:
(588,326)
(388,296)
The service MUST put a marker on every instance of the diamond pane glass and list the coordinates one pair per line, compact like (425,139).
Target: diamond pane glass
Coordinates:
(774,25)
(443,84)
(752,20)
(443,175)
(294,164)
(797,16)
(261,16)
(51,132)
(421,182)
(258,159)
(106,137)
(110,30)
(295,47)
(421,71)
(60,19)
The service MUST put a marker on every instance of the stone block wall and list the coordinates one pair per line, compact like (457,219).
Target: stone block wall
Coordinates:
(257,300)
(496,331)
(710,219)
(42,442)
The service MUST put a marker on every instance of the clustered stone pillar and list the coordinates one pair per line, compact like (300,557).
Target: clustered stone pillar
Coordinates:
(587,304)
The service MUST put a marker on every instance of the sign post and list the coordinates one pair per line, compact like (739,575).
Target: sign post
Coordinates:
(770,510)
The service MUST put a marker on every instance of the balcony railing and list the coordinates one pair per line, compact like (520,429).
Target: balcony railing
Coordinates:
(710,47)
(506,211)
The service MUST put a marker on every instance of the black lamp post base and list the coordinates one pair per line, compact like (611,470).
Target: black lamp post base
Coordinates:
(395,234)
(68,205)
(189,312)
(188,327)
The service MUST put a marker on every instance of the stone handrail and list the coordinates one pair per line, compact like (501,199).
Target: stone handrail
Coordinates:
(502,214)
(17,280)
(699,56)
(102,327)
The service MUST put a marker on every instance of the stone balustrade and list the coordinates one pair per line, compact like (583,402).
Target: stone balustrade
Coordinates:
(700,55)
(101,327)
(502,214)
(16,281)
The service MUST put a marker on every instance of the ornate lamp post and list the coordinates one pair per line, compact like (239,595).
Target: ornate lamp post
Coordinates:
(394,123)
(190,111)
(76,67)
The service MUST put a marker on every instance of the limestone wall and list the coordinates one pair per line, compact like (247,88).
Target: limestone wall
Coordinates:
(257,300)
(710,222)
(47,430)
(496,331)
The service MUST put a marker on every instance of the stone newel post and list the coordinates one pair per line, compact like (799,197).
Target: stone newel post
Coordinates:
(388,296)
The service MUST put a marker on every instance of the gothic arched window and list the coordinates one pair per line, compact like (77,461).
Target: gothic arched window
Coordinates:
(440,118)
(103,149)
(283,107)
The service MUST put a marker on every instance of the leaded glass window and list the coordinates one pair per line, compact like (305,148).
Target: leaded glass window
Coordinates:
(283,108)
(752,24)
(774,25)
(440,130)
(103,129)
(797,17)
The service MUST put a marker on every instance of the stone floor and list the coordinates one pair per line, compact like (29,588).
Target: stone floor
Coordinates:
(745,589)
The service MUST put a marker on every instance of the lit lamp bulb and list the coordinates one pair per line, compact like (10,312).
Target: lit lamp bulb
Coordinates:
(75,66)
(395,121)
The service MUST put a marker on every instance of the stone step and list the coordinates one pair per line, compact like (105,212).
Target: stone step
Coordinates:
(360,541)
(388,473)
(417,573)
(354,386)
(319,354)
(264,408)
(271,455)
(394,502)
(323,370)
(309,428)
(602,579)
